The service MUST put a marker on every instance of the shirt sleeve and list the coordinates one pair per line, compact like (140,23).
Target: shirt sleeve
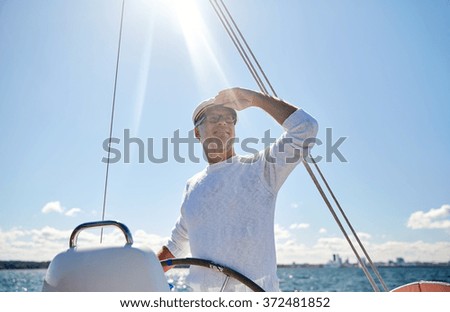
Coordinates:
(283,156)
(178,243)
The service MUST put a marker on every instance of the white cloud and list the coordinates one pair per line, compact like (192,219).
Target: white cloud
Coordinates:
(333,244)
(32,245)
(45,243)
(411,251)
(56,207)
(323,249)
(72,212)
(281,233)
(145,240)
(299,226)
(433,219)
(364,236)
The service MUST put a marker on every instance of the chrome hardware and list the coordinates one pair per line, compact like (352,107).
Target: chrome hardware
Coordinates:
(78,229)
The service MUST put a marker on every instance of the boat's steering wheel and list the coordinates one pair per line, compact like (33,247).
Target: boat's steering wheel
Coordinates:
(216,267)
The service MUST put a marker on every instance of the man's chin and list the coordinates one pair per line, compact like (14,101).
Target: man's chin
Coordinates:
(220,140)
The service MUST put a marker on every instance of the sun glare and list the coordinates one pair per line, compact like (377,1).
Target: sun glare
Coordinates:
(186,13)
(198,41)
(190,19)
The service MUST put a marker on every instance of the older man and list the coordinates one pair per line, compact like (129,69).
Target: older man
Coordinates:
(227,213)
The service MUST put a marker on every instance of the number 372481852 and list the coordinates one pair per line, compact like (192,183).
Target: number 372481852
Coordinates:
(296,302)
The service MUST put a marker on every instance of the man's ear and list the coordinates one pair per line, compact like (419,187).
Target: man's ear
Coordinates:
(197,133)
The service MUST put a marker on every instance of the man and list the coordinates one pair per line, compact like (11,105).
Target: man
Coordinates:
(227,213)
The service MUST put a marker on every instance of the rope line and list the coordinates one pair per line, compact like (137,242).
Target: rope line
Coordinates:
(263,89)
(336,218)
(372,265)
(249,49)
(237,44)
(111,122)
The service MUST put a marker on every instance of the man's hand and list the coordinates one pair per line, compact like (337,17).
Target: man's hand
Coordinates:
(164,254)
(237,98)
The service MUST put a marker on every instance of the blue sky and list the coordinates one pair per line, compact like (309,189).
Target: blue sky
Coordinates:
(376,73)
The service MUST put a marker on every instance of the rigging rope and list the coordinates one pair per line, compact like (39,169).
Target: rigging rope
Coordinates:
(263,89)
(372,265)
(239,46)
(336,218)
(237,41)
(250,50)
(111,122)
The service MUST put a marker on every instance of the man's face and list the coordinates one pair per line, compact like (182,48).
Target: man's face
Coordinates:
(217,130)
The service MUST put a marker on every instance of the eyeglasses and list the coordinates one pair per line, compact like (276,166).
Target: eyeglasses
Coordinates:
(214,118)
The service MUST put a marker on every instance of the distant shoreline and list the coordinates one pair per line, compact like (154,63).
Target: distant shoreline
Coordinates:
(23,265)
(378,265)
(29,265)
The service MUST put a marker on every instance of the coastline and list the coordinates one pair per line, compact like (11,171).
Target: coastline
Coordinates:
(23,265)
(27,265)
(378,265)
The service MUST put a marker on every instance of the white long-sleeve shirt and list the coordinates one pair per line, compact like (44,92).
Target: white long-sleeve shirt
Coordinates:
(227,213)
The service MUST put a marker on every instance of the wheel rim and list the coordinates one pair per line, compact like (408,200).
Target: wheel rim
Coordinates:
(216,267)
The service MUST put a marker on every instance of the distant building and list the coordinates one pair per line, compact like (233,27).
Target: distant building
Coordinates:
(336,262)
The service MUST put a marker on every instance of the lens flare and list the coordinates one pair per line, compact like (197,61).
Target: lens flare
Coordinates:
(198,40)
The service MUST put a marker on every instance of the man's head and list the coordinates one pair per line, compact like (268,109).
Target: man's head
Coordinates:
(215,126)
(205,105)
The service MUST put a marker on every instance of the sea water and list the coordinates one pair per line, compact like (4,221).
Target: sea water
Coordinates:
(315,279)
(21,280)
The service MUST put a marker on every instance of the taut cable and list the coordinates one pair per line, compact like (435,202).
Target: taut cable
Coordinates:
(111,122)
(249,49)
(263,89)
(238,45)
(372,265)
